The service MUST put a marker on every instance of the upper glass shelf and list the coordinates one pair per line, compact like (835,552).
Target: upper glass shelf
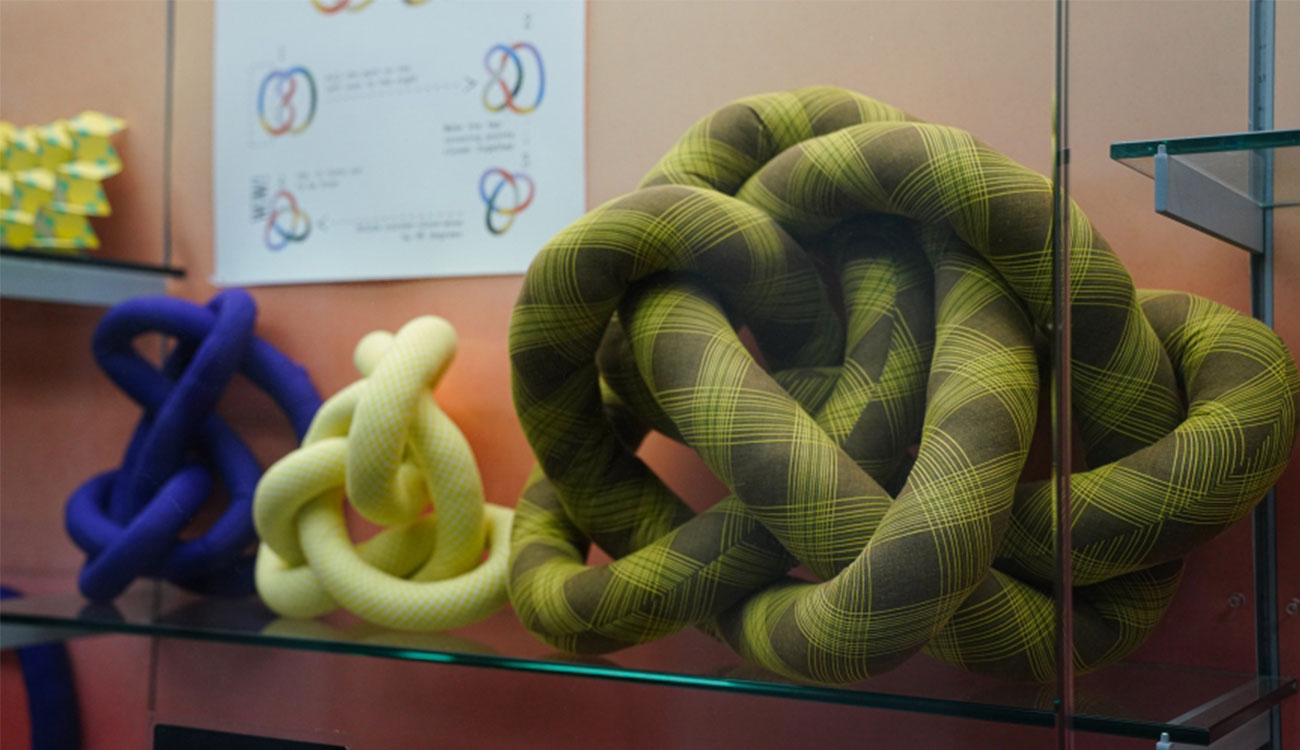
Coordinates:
(1233,159)
(79,279)
(1127,699)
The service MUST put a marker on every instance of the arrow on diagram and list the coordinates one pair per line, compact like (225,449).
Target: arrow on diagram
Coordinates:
(466,87)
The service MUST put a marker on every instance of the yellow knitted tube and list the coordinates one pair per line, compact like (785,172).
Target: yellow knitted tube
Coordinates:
(386,442)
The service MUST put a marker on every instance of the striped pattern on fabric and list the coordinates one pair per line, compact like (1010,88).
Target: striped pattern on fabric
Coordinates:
(896,276)
(386,442)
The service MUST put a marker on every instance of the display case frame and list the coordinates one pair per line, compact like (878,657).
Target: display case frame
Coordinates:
(150,611)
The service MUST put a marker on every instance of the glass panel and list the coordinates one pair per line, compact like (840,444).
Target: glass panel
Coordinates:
(1131,699)
(1191,705)
(1247,141)
(1227,158)
(1192,99)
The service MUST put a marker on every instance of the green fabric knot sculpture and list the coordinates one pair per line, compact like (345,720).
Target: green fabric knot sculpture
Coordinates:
(896,278)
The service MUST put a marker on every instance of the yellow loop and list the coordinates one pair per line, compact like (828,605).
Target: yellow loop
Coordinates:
(397,414)
(385,440)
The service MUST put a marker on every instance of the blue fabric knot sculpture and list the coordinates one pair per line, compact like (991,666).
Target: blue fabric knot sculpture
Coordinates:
(128,520)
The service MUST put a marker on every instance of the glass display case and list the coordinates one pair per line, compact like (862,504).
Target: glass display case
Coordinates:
(1196,98)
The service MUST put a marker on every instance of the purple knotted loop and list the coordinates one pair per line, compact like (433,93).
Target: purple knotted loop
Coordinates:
(128,520)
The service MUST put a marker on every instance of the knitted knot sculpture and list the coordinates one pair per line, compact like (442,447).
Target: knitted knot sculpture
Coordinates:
(385,440)
(128,520)
(937,252)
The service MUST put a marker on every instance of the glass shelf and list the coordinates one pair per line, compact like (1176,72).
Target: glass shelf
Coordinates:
(79,279)
(1128,699)
(1229,158)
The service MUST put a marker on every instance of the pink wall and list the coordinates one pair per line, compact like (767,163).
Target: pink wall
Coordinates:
(654,68)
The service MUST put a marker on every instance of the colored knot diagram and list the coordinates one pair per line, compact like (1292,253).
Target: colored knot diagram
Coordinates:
(286,101)
(506,71)
(500,191)
(285,222)
(329,8)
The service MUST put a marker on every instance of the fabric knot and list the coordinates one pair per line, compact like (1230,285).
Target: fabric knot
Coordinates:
(128,520)
(384,440)
(896,277)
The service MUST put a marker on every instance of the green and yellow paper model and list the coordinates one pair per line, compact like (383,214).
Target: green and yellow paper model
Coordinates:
(51,181)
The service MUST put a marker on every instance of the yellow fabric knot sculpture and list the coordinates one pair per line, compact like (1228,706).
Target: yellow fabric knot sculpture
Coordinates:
(896,277)
(385,440)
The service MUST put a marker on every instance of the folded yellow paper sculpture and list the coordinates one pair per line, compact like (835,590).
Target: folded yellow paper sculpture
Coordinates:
(50,181)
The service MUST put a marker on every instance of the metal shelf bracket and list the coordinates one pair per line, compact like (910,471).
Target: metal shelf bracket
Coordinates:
(1191,197)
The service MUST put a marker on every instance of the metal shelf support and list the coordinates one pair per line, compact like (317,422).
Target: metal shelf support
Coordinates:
(1264,519)
(1191,197)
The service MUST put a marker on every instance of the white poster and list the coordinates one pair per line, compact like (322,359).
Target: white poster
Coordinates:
(381,139)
